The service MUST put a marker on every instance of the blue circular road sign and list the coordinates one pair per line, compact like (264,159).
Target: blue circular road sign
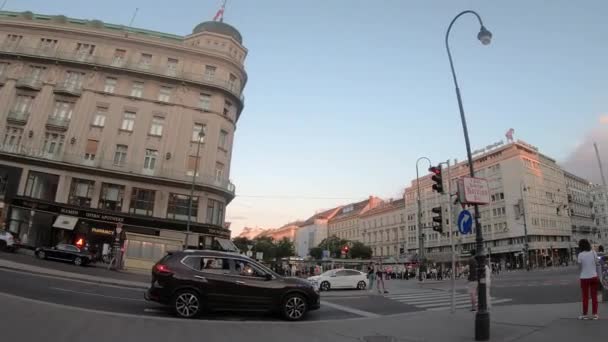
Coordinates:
(465,222)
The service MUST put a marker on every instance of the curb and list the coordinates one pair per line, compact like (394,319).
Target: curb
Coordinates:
(87,280)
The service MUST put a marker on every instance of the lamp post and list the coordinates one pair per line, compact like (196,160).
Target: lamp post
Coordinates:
(420,232)
(201,136)
(482,318)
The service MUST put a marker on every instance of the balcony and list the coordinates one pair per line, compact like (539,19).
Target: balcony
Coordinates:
(69,88)
(29,83)
(123,64)
(18,117)
(58,123)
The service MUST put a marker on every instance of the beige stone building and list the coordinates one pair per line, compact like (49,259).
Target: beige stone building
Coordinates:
(100,124)
(383,228)
(345,223)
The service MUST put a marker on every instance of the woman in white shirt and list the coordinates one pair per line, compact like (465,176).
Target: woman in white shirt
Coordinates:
(587,260)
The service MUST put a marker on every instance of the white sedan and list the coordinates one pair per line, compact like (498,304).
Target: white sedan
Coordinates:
(340,279)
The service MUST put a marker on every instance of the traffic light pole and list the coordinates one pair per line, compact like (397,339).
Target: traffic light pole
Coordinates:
(451,232)
(420,229)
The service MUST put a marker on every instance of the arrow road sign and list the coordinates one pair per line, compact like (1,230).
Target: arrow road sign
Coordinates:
(465,222)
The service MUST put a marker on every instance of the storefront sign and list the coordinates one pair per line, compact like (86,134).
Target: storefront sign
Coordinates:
(102,231)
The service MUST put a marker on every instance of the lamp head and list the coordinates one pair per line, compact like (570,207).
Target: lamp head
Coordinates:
(484,36)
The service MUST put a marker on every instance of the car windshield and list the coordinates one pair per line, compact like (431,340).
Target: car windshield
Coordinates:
(328,273)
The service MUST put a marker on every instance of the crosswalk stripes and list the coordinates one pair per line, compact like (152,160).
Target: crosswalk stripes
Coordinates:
(433,300)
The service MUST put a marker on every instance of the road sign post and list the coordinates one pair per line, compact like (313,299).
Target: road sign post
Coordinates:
(465,222)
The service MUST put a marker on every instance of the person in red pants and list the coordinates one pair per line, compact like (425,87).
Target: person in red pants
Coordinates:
(587,261)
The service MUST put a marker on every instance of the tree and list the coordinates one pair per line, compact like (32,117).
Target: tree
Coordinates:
(284,248)
(241,243)
(334,245)
(264,244)
(316,252)
(358,250)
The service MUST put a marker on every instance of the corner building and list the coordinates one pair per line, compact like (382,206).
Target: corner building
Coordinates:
(100,124)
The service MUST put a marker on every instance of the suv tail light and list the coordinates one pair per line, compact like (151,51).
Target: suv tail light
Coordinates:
(162,269)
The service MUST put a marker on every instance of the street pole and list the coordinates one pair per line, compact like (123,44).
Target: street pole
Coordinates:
(201,135)
(522,186)
(482,317)
(420,232)
(451,232)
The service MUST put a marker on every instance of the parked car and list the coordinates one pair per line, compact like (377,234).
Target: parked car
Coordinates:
(65,252)
(195,281)
(340,279)
(8,241)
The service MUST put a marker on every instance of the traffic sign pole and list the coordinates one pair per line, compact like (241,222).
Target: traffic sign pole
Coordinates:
(451,232)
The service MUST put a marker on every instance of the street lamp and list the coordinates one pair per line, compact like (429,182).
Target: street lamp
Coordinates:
(420,232)
(201,136)
(482,318)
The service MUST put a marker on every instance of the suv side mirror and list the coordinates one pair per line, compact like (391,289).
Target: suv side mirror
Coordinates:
(268,276)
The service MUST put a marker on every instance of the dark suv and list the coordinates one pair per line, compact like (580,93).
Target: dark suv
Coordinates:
(193,281)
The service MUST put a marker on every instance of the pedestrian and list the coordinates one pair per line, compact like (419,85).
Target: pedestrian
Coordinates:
(588,262)
(472,281)
(371,274)
(380,279)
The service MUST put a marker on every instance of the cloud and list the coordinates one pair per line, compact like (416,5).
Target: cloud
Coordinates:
(237,218)
(582,160)
(604,119)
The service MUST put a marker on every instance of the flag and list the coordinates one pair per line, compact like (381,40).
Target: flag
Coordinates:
(219,16)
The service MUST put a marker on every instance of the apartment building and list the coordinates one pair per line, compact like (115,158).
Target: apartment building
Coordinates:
(580,205)
(103,124)
(599,196)
(313,231)
(345,223)
(383,228)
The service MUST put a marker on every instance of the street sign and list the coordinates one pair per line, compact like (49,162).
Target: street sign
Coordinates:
(473,190)
(465,222)
(259,255)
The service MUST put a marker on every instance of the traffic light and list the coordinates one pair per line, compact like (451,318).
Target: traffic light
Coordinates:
(437,178)
(437,219)
(345,249)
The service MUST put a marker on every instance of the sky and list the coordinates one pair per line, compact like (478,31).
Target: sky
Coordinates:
(344,95)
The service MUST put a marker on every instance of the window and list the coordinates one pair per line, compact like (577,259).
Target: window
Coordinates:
(4,68)
(90,150)
(84,51)
(197,129)
(157,126)
(47,45)
(172,66)
(12,137)
(110,85)
(223,140)
(81,192)
(36,72)
(145,60)
(227,108)
(207,264)
(150,159)
(164,94)
(74,79)
(142,202)
(219,172)
(209,72)
(205,102)
(119,57)
(23,103)
(232,83)
(215,212)
(62,110)
(99,119)
(137,89)
(53,143)
(12,40)
(120,155)
(41,186)
(128,121)
(247,269)
(111,196)
(178,207)
(192,165)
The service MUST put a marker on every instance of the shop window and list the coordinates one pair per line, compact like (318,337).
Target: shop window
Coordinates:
(178,207)
(41,186)
(111,196)
(81,192)
(142,202)
(215,212)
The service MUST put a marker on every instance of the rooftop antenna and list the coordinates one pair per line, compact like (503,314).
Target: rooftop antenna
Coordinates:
(3,4)
(599,162)
(219,15)
(131,22)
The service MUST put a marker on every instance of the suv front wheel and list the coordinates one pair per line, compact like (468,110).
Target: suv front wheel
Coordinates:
(187,304)
(294,307)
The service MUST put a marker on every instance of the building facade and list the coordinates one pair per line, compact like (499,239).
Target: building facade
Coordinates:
(523,183)
(383,228)
(313,231)
(599,196)
(580,205)
(345,224)
(104,125)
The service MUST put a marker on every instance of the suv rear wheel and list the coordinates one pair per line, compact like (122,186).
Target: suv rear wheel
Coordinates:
(187,304)
(294,307)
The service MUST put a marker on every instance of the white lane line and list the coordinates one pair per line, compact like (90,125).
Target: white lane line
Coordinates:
(438,300)
(97,294)
(425,295)
(350,310)
(151,310)
(431,305)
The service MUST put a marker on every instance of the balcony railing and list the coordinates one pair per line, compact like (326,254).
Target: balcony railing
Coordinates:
(18,117)
(70,88)
(121,63)
(58,123)
(30,83)
(131,168)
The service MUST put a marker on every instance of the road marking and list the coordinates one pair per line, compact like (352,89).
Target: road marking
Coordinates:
(351,310)
(97,294)
(152,310)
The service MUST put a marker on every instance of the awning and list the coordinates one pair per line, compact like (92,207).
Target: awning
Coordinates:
(227,245)
(65,222)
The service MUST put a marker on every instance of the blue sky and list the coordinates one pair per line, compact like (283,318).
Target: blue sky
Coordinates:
(344,95)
